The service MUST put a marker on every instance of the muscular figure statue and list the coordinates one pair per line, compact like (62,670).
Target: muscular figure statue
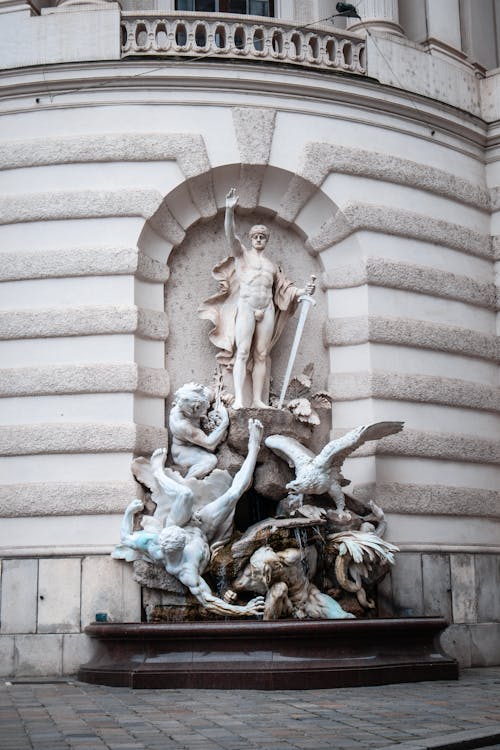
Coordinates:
(262,300)
(288,590)
(191,447)
(183,546)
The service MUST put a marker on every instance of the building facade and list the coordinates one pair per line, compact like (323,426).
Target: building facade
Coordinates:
(371,148)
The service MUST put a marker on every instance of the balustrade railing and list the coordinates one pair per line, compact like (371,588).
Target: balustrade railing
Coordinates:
(240,37)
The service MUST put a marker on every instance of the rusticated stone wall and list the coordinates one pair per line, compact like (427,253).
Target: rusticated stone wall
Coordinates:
(393,213)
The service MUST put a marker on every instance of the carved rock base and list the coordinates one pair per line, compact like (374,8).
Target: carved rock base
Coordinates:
(283,655)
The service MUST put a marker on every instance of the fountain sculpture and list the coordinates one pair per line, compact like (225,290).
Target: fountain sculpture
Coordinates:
(317,554)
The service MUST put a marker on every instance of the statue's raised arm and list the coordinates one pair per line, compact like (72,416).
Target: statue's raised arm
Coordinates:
(229,225)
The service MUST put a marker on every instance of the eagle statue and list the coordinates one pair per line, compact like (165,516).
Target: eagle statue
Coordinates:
(317,475)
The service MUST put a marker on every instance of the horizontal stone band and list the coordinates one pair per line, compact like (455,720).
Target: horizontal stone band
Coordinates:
(413,278)
(80,437)
(432,499)
(83,321)
(355,217)
(81,261)
(92,204)
(495,241)
(66,498)
(78,204)
(420,444)
(352,386)
(89,378)
(320,159)
(188,149)
(412,333)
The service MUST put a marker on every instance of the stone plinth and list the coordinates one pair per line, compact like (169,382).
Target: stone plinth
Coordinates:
(277,422)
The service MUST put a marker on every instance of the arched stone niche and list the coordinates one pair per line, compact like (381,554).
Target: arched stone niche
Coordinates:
(186,232)
(189,353)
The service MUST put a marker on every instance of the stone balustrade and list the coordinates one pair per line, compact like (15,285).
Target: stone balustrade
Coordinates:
(241,37)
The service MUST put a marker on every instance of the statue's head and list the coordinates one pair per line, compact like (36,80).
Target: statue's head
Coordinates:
(259,234)
(172,538)
(264,564)
(193,399)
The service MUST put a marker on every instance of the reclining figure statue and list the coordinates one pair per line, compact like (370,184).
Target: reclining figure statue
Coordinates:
(184,545)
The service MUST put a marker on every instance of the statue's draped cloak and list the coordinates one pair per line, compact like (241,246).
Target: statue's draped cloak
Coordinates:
(221,309)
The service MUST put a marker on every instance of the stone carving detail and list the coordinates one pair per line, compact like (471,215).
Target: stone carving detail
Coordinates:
(241,38)
(282,578)
(308,557)
(186,540)
(192,448)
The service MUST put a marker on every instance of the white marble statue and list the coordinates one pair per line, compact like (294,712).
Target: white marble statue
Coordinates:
(191,448)
(184,545)
(287,588)
(317,475)
(251,309)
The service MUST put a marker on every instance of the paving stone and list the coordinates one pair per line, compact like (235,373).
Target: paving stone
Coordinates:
(406,717)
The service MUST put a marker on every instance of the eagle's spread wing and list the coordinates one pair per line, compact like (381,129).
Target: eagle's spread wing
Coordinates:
(335,452)
(290,450)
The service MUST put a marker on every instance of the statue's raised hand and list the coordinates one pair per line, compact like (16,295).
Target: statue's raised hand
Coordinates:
(255,432)
(232,199)
(255,606)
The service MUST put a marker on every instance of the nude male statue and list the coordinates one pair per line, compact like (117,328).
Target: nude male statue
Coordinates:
(184,546)
(263,300)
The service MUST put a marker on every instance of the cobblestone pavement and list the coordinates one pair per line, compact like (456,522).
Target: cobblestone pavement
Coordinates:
(47,715)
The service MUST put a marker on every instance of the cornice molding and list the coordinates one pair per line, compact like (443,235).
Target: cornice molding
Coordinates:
(20,87)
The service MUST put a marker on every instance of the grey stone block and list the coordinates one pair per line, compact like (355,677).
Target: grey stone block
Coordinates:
(59,595)
(37,655)
(455,642)
(488,587)
(6,655)
(76,649)
(407,586)
(108,586)
(436,585)
(463,586)
(19,596)
(485,644)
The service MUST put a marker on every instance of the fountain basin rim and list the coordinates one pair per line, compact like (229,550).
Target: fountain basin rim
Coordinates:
(256,628)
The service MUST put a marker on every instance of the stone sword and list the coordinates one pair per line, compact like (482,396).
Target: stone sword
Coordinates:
(306,302)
